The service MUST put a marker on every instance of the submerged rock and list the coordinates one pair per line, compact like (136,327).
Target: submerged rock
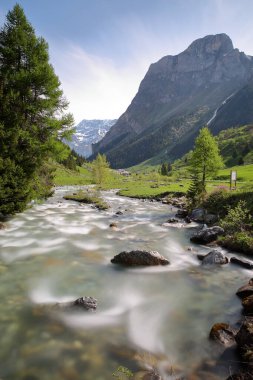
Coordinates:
(140,257)
(113,224)
(207,235)
(223,333)
(213,257)
(119,213)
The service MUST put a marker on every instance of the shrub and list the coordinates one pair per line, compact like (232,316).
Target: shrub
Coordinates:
(236,219)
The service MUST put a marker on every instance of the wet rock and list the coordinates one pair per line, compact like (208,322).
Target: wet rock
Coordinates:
(188,219)
(182,213)
(113,225)
(247,304)
(207,235)
(214,257)
(244,340)
(140,257)
(119,213)
(245,291)
(242,263)
(223,333)
(82,303)
(172,220)
(198,215)
(241,376)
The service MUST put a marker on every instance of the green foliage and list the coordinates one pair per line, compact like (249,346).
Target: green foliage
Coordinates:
(100,170)
(195,191)
(205,159)
(239,241)
(123,373)
(236,219)
(31,111)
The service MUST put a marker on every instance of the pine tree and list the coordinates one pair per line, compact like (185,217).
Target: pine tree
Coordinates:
(31,110)
(205,159)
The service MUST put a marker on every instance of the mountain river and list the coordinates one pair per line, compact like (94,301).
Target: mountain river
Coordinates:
(146,317)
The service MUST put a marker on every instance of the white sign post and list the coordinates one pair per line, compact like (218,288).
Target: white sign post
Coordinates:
(233,178)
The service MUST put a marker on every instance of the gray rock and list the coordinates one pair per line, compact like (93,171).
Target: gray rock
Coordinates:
(214,257)
(198,215)
(207,235)
(140,257)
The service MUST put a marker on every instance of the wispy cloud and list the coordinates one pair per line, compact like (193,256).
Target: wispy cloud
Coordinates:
(95,86)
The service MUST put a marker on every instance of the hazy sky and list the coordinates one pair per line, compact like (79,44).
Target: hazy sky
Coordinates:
(101,49)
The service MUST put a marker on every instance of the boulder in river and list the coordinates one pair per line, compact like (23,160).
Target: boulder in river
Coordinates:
(242,263)
(140,257)
(207,235)
(245,291)
(223,333)
(213,257)
(82,303)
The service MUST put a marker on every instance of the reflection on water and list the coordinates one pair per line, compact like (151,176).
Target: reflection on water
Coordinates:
(61,250)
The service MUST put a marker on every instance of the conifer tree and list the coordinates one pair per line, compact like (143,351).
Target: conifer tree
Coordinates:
(31,110)
(100,170)
(206,159)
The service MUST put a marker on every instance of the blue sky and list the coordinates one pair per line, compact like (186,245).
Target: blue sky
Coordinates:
(101,49)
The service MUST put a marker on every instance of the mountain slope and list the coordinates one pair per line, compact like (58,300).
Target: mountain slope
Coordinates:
(178,95)
(87,133)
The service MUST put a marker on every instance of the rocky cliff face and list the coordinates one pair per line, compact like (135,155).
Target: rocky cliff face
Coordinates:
(177,96)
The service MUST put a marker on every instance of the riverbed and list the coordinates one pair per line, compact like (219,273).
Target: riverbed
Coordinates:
(156,317)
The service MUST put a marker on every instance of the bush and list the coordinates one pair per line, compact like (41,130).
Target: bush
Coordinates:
(240,241)
(236,219)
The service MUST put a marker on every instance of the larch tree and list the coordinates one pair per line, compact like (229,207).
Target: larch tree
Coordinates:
(100,170)
(32,110)
(204,162)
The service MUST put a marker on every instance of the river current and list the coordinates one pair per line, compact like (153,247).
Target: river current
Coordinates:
(146,317)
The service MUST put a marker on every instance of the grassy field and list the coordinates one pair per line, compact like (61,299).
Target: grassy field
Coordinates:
(151,184)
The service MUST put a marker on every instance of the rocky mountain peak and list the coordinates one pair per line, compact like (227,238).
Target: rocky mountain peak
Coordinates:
(211,44)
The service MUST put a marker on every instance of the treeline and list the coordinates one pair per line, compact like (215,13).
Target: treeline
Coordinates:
(32,115)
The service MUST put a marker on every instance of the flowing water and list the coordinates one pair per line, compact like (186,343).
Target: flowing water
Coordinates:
(157,316)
